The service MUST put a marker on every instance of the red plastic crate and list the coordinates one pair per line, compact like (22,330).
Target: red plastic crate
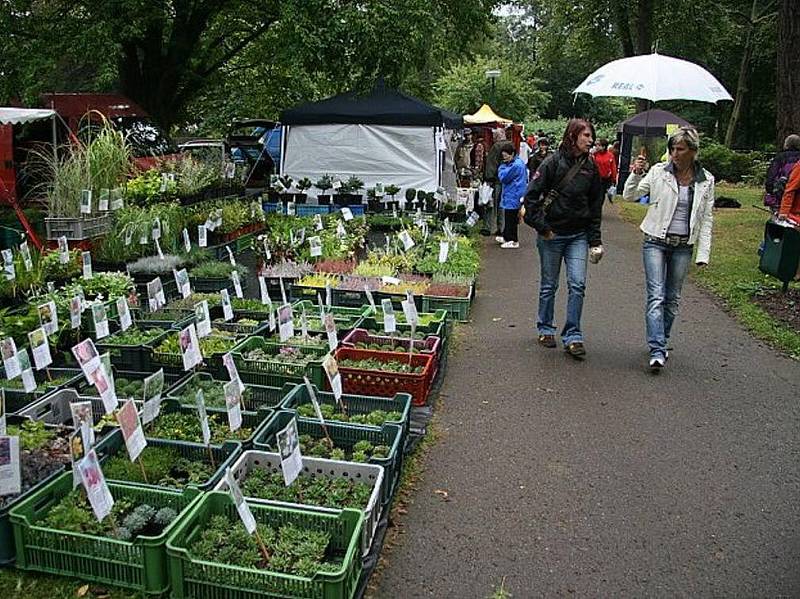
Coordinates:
(385,384)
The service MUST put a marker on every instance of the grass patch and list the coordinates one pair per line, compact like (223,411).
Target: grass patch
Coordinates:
(733,273)
(30,585)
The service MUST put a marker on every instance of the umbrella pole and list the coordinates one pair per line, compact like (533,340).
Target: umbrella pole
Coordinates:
(643,150)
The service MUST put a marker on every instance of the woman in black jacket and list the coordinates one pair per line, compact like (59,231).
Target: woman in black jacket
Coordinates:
(564,203)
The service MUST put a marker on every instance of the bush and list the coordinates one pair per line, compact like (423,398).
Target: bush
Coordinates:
(733,167)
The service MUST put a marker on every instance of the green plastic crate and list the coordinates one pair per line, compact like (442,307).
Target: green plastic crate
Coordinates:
(195,578)
(273,373)
(173,362)
(457,307)
(355,404)
(132,357)
(345,436)
(224,455)
(17,399)
(437,326)
(140,564)
(259,397)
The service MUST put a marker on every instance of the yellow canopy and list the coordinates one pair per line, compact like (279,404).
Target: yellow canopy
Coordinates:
(485,115)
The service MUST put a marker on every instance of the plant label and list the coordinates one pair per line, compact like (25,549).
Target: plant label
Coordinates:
(86,201)
(187,244)
(410,309)
(28,380)
(87,357)
(289,447)
(390,280)
(153,387)
(190,347)
(272,323)
(183,283)
(124,311)
(315,243)
(370,299)
(233,405)
(238,500)
(304,324)
(117,204)
(227,309)
(86,258)
(48,317)
(8,265)
(100,320)
(40,348)
(63,250)
(94,482)
(158,250)
(328,295)
(237,284)
(267,253)
(155,295)
(285,322)
(444,251)
(330,329)
(102,202)
(341,232)
(8,349)
(233,372)
(75,309)
(77,450)
(82,421)
(283,290)
(406,240)
(200,402)
(347,214)
(291,209)
(155,232)
(203,319)
(331,367)
(10,474)
(262,285)
(389,319)
(2,411)
(231,257)
(318,226)
(103,380)
(337,184)
(202,236)
(472,219)
(321,308)
(379,193)
(25,251)
(312,395)
(301,236)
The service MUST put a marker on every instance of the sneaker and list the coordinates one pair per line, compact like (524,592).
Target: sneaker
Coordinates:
(500,239)
(547,340)
(510,245)
(575,349)
(657,363)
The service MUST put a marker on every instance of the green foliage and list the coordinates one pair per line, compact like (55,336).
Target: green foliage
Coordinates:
(331,412)
(333,492)
(134,223)
(727,165)
(214,269)
(32,434)
(164,466)
(185,426)
(146,189)
(134,336)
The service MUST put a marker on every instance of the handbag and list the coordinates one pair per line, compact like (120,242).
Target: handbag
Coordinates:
(559,187)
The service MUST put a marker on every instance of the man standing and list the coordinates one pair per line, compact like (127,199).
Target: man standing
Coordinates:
(607,167)
(493,217)
(542,151)
(463,159)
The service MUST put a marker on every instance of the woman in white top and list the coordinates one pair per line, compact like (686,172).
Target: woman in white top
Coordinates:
(679,217)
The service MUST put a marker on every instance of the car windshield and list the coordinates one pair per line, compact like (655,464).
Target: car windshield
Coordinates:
(145,137)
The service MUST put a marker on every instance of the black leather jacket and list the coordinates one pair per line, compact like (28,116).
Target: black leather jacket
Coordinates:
(578,207)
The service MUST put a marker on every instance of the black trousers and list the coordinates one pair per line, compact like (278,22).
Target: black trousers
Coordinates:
(511,224)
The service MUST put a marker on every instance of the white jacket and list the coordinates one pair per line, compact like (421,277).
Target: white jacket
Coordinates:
(661,185)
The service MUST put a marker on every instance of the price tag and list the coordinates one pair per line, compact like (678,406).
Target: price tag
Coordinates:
(341,232)
(75,309)
(347,214)
(334,377)
(8,348)
(190,347)
(389,320)
(203,319)
(124,311)
(233,372)
(82,421)
(405,238)
(202,236)
(318,226)
(86,201)
(103,381)
(187,243)
(444,251)
(48,317)
(315,243)
(40,348)
(10,473)
(227,309)
(100,320)
(183,283)
(200,402)
(233,405)
(153,387)
(410,310)
(241,505)
(289,447)
(102,202)
(237,284)
(26,372)
(94,482)
(25,251)
(155,295)
(285,322)
(131,427)
(330,329)
(63,250)
(155,232)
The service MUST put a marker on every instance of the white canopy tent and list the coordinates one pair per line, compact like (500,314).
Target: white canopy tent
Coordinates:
(19,116)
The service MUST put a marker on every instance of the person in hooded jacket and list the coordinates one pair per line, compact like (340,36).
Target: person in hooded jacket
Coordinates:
(513,176)
(564,203)
(779,170)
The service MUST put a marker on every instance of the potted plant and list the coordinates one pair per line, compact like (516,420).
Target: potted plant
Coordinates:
(302,186)
(348,194)
(430,202)
(374,203)
(324,184)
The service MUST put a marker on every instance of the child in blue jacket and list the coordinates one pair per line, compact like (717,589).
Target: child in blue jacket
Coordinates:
(513,175)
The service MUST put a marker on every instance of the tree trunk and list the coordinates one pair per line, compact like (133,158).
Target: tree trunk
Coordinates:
(788,84)
(741,86)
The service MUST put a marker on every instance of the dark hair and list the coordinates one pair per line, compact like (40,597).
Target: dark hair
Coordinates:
(571,133)
(603,142)
(507,147)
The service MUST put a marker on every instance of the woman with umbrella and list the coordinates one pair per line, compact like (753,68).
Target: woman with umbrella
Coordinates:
(679,217)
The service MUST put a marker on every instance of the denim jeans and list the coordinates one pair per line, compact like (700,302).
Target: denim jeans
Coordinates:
(573,250)
(665,269)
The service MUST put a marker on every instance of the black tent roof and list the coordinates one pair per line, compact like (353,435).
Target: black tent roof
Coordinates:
(653,121)
(379,107)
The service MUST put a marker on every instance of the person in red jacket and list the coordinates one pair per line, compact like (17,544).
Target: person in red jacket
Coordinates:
(790,203)
(606,163)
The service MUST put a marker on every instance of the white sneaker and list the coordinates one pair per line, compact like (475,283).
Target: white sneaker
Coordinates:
(500,239)
(510,245)
(657,363)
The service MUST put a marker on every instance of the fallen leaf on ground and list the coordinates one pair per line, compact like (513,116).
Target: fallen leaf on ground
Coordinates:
(443,493)
(496,319)
(82,590)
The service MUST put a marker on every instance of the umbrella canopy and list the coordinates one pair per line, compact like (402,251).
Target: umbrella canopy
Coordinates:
(484,116)
(652,122)
(14,116)
(654,77)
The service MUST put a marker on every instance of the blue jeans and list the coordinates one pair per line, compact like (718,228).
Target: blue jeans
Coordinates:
(573,250)
(665,269)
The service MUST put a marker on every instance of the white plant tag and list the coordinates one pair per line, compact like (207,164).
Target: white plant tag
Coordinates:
(289,447)
(405,238)
(334,376)
(48,317)
(444,251)
(285,322)
(190,347)
(8,348)
(227,309)
(28,380)
(233,405)
(187,243)
(25,251)
(245,514)
(40,348)
(347,214)
(153,387)
(203,319)
(202,236)
(86,201)
(389,320)
(318,226)
(200,402)
(131,427)
(100,319)
(315,243)
(63,250)
(10,472)
(370,299)
(94,482)
(183,283)
(124,312)
(233,372)
(330,329)
(237,284)
(231,257)
(262,283)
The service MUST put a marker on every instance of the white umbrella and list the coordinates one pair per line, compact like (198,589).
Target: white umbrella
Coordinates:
(654,77)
